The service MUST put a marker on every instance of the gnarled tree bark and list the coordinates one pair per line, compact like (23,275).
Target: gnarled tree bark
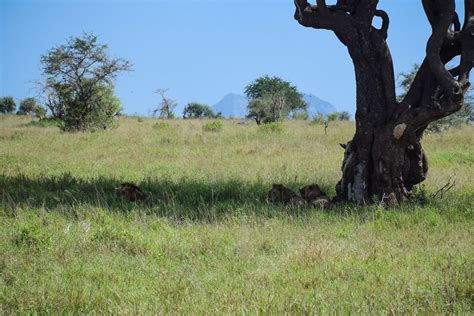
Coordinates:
(385,158)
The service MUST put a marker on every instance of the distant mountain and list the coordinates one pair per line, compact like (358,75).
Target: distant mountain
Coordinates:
(317,105)
(234,105)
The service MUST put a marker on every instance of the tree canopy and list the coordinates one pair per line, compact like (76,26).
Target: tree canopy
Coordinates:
(272,99)
(198,110)
(28,106)
(79,83)
(7,105)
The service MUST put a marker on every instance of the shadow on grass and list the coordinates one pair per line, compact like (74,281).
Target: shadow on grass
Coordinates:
(181,199)
(184,199)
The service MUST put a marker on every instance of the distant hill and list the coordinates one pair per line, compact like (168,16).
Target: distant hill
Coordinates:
(317,105)
(235,105)
(232,104)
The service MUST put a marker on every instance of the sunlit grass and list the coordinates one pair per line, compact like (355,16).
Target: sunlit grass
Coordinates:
(207,242)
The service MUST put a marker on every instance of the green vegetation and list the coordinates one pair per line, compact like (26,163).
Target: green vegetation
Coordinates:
(332,117)
(273,99)
(47,122)
(196,110)
(207,242)
(213,126)
(273,127)
(7,105)
(79,88)
(29,106)
(161,125)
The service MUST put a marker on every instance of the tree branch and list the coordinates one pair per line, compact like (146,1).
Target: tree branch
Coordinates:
(321,16)
(468,11)
(385,22)
(467,43)
(322,7)
(441,14)
(365,11)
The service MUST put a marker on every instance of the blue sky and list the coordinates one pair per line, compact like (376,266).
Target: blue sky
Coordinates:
(199,49)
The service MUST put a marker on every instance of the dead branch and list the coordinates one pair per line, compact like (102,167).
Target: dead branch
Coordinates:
(444,189)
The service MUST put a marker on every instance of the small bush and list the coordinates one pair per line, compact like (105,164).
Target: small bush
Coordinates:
(214,126)
(47,122)
(273,127)
(420,195)
(332,117)
(140,120)
(161,125)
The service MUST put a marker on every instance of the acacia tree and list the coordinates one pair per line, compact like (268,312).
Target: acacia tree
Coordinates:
(385,158)
(80,82)
(7,105)
(197,110)
(272,99)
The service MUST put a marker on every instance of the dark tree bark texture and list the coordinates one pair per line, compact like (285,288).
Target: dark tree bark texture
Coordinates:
(385,158)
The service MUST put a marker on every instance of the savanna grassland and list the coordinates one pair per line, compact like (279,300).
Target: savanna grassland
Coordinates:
(207,242)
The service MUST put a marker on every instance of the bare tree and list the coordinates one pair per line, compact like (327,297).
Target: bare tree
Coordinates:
(385,158)
(166,107)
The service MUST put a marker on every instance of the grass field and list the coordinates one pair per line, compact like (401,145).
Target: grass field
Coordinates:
(207,242)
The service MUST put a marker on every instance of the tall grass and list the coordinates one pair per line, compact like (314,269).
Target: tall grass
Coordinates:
(206,241)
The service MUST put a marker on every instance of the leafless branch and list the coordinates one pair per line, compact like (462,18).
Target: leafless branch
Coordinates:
(445,189)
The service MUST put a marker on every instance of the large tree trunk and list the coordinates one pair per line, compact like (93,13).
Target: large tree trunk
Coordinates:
(381,160)
(385,158)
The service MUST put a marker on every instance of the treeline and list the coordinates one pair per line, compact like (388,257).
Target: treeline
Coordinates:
(28,106)
(78,91)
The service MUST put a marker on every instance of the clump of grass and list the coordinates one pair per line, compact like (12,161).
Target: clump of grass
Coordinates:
(29,235)
(140,120)
(117,238)
(161,125)
(272,127)
(213,126)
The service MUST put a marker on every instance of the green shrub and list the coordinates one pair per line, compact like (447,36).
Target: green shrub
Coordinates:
(47,122)
(161,125)
(272,127)
(213,126)
(332,117)
(140,120)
